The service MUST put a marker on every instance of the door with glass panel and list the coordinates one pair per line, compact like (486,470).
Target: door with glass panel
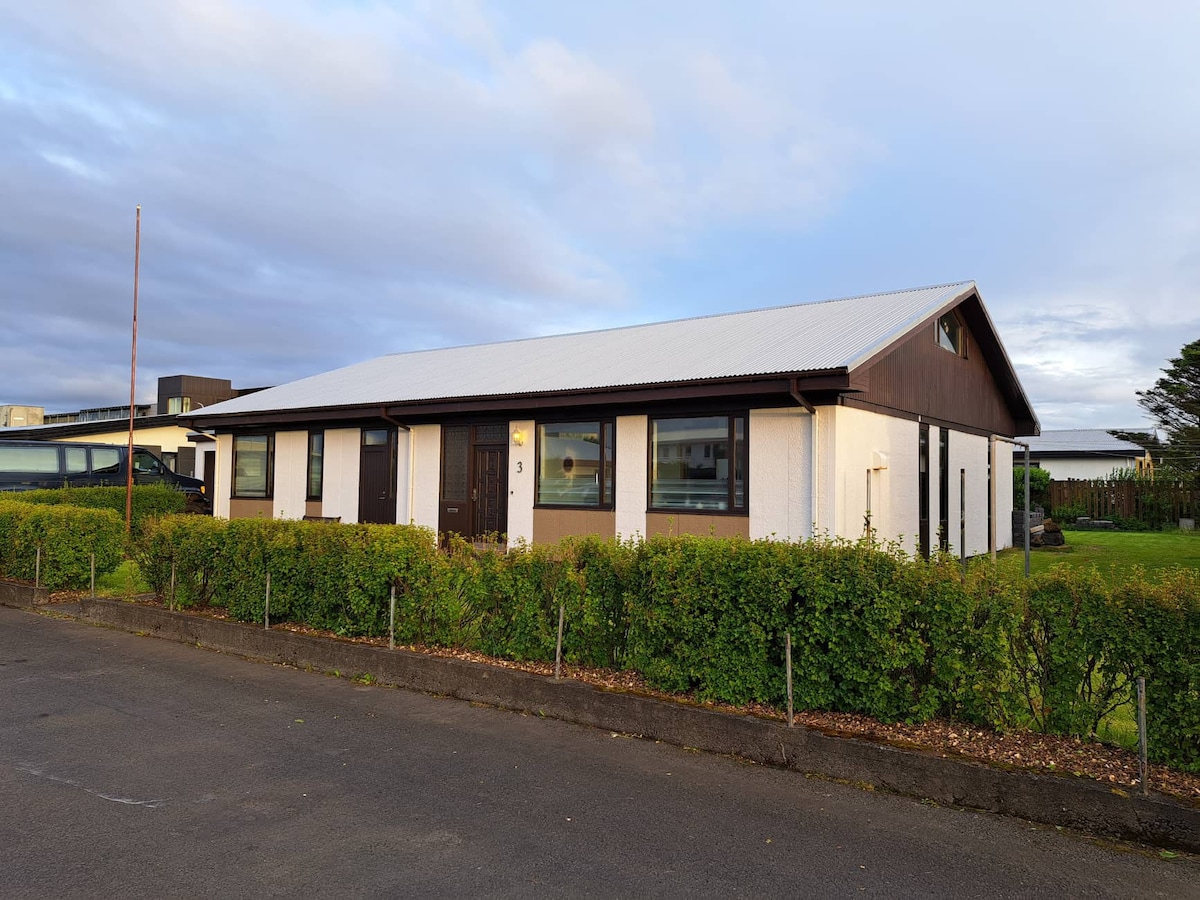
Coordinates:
(473,500)
(377,476)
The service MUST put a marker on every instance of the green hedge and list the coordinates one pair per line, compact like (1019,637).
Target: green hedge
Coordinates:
(149,500)
(872,632)
(67,535)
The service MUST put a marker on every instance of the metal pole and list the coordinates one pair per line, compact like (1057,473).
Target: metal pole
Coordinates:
(171,597)
(37,568)
(558,646)
(791,717)
(1026,510)
(392,619)
(267,604)
(1143,764)
(137,256)
(93,566)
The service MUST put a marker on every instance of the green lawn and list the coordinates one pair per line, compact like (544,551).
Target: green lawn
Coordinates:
(1107,550)
(125,581)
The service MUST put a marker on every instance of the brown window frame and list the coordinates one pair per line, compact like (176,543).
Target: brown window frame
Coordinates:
(609,423)
(270,485)
(308,461)
(732,510)
(961,352)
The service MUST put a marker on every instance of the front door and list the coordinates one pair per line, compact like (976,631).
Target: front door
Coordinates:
(377,476)
(474,489)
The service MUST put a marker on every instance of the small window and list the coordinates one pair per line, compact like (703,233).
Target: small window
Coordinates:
(106,462)
(375,437)
(253,458)
(698,463)
(76,460)
(316,463)
(949,333)
(575,464)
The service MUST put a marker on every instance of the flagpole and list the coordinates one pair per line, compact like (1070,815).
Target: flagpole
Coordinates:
(137,253)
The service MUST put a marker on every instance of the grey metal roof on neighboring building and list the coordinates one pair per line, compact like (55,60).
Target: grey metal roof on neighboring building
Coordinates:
(1083,440)
(807,337)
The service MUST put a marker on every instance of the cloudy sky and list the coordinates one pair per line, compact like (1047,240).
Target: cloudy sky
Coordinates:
(324,182)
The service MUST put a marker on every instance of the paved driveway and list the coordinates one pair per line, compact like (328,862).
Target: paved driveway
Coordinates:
(134,767)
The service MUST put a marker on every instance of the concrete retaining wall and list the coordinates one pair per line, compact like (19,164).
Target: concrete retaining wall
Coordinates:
(14,593)
(1053,800)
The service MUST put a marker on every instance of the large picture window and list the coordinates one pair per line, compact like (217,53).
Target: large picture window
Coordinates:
(316,464)
(575,464)
(253,461)
(698,463)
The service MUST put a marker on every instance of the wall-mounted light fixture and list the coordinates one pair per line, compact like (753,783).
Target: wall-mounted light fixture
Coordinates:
(518,438)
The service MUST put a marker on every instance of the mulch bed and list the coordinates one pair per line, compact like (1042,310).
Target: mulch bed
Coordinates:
(1043,753)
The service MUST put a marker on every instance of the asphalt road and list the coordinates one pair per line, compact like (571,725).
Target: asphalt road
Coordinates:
(134,767)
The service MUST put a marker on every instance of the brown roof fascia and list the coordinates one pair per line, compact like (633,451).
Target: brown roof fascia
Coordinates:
(820,383)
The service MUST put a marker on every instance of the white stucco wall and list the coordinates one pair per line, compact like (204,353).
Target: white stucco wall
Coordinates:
(969,452)
(866,441)
(522,475)
(631,476)
(339,489)
(224,476)
(291,474)
(427,474)
(1004,494)
(780,452)
(167,437)
(1083,468)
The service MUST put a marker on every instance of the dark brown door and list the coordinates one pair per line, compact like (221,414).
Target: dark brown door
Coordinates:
(474,491)
(490,490)
(377,476)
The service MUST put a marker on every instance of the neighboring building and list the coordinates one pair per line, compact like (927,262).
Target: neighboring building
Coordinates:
(1084,454)
(784,422)
(12,416)
(155,426)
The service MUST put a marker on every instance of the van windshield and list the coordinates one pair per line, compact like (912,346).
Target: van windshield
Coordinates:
(28,459)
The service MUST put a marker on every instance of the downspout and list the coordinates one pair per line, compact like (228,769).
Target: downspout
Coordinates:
(814,480)
(412,462)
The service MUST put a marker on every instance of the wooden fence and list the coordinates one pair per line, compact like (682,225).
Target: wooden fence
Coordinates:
(1155,502)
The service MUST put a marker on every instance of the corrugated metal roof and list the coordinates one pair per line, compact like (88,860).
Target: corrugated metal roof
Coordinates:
(805,337)
(1083,440)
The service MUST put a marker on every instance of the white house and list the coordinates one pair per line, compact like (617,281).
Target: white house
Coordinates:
(819,418)
(1085,454)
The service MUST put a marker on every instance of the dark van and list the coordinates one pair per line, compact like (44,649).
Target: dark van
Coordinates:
(29,465)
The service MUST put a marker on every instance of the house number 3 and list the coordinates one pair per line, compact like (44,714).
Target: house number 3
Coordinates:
(520,467)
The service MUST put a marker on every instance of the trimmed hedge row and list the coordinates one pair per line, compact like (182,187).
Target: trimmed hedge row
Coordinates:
(872,632)
(149,500)
(67,536)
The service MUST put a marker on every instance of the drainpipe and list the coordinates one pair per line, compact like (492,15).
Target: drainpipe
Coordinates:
(412,463)
(814,479)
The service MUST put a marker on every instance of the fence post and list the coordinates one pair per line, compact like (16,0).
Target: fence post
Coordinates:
(267,604)
(171,598)
(392,619)
(92,557)
(1143,764)
(558,645)
(37,568)
(791,717)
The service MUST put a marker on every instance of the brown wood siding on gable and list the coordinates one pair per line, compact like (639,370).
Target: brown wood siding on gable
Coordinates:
(921,378)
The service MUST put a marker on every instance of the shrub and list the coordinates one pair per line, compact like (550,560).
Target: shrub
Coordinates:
(67,535)
(150,501)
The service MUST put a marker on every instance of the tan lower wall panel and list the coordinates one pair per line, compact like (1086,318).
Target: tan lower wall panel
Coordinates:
(698,524)
(551,525)
(251,509)
(312,508)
